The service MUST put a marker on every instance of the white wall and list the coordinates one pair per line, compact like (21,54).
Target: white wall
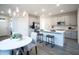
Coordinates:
(4,26)
(45,22)
(20,25)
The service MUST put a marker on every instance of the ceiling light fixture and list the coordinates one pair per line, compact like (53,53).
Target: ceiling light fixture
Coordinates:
(61,11)
(17,9)
(24,13)
(43,10)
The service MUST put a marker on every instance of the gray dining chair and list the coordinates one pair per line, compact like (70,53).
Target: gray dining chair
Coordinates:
(33,44)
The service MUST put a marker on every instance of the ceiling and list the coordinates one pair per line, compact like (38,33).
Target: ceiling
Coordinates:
(32,8)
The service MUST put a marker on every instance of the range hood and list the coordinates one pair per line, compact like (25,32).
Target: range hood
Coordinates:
(60,23)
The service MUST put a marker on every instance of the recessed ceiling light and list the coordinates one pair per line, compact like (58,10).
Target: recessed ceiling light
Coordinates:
(14,13)
(2,12)
(35,13)
(61,10)
(43,10)
(9,11)
(50,13)
(58,5)
(17,9)
(24,13)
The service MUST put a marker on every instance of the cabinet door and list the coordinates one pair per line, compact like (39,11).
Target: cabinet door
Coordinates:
(73,19)
(71,34)
(67,19)
(74,35)
(60,18)
(68,34)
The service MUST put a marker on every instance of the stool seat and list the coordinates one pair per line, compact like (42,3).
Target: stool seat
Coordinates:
(50,36)
(40,34)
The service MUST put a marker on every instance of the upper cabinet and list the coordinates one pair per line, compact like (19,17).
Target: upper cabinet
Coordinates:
(70,19)
(67,19)
(60,18)
(73,19)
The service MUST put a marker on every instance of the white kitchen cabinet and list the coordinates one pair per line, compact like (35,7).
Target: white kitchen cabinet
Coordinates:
(61,18)
(67,19)
(70,19)
(73,19)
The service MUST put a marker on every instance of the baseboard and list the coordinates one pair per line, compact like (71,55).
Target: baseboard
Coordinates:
(70,38)
(5,36)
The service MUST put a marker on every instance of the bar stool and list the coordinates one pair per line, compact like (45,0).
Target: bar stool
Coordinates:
(51,37)
(40,37)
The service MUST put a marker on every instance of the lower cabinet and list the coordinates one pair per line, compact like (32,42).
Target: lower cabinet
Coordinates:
(74,34)
(67,34)
(71,34)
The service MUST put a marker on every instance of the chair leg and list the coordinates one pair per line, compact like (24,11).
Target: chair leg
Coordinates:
(22,51)
(36,49)
(52,42)
(42,38)
(28,53)
(12,52)
(46,40)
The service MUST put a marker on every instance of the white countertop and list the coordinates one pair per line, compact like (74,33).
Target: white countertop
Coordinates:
(57,31)
(9,44)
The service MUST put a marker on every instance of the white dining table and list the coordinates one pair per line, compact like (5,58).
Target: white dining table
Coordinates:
(7,45)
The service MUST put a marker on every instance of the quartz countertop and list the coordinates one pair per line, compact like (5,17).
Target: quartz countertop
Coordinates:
(56,31)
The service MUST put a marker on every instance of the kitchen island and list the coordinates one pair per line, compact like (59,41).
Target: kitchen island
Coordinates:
(58,36)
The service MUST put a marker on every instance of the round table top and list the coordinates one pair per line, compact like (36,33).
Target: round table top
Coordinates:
(9,44)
